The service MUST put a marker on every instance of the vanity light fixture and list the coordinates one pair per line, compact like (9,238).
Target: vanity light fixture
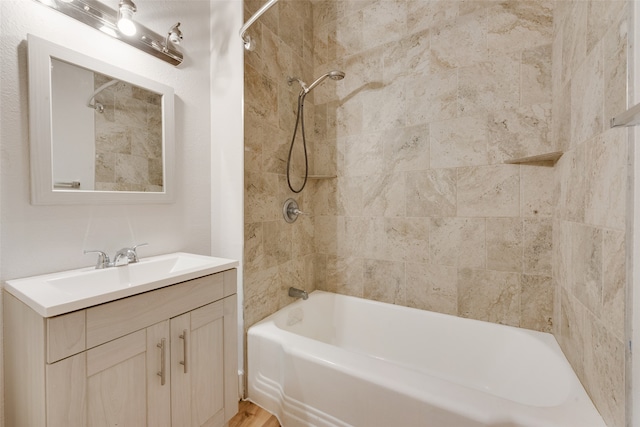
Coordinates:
(174,37)
(126,9)
(120,25)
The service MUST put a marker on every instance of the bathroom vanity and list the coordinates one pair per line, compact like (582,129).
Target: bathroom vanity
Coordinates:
(165,355)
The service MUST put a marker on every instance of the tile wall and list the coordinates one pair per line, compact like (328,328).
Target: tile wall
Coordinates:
(128,138)
(424,212)
(589,87)
(277,255)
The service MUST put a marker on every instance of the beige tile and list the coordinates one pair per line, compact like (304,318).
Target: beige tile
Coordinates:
(615,67)
(614,282)
(264,100)
(459,142)
(383,21)
(277,56)
(324,158)
(406,149)
(576,187)
(293,273)
(536,303)
(384,108)
(574,38)
(302,236)
(410,56)
(349,196)
(561,113)
(435,98)
(347,117)
(253,134)
(291,33)
(407,239)
(364,237)
(489,191)
(461,41)
(457,242)
(277,237)
(604,363)
(422,15)
(587,98)
(261,202)
(431,193)
(606,161)
(519,25)
(260,293)
(519,132)
(323,200)
(253,247)
(489,295)
(490,85)
(601,16)
(537,190)
(363,155)
(537,246)
(536,76)
(384,281)
(586,264)
(432,287)
(505,244)
(383,195)
(348,37)
(326,233)
(345,275)
(572,332)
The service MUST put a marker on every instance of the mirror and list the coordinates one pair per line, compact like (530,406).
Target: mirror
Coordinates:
(99,134)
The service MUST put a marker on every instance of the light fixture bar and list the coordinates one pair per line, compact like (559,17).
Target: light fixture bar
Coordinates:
(103,18)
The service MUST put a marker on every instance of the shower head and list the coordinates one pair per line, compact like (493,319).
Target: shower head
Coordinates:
(334,75)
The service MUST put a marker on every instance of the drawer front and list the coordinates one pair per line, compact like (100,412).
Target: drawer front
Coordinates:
(118,318)
(65,335)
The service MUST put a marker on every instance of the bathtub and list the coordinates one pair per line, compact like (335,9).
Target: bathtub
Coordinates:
(335,360)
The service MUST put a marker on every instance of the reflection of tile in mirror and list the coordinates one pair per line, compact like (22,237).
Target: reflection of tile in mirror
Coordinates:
(129,129)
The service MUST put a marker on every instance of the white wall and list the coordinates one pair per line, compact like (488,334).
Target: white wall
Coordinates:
(41,239)
(227,149)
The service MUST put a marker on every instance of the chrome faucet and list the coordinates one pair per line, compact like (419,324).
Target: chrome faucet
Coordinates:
(124,256)
(298,293)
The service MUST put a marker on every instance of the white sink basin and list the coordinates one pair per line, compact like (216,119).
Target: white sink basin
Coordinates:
(59,293)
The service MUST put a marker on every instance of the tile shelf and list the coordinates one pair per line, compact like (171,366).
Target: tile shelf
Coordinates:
(546,157)
(321,176)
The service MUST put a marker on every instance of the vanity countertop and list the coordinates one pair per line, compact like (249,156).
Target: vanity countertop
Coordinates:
(59,293)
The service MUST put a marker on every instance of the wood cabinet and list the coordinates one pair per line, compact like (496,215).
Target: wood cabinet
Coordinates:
(163,358)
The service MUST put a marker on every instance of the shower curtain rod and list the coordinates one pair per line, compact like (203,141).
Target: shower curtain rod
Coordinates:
(248,43)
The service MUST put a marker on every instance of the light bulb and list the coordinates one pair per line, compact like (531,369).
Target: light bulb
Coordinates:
(125,18)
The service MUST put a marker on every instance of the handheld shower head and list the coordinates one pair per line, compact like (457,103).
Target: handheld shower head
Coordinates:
(334,75)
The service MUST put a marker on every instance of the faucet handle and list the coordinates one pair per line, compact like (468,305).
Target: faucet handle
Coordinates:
(135,253)
(103,258)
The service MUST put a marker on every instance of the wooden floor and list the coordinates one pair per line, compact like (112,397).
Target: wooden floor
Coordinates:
(250,415)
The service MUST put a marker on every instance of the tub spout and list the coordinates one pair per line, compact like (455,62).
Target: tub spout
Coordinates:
(298,293)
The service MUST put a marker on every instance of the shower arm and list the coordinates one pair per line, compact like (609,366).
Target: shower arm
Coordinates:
(245,38)
(90,101)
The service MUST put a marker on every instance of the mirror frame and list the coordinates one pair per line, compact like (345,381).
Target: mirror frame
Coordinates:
(40,54)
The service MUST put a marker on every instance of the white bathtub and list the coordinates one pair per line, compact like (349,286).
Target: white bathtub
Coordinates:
(335,360)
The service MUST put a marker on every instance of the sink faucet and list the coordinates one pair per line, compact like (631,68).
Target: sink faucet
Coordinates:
(127,255)
(298,293)
(124,256)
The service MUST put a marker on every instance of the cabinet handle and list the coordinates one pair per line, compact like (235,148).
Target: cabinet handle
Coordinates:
(162,372)
(183,337)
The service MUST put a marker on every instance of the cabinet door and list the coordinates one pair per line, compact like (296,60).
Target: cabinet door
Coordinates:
(123,385)
(197,352)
